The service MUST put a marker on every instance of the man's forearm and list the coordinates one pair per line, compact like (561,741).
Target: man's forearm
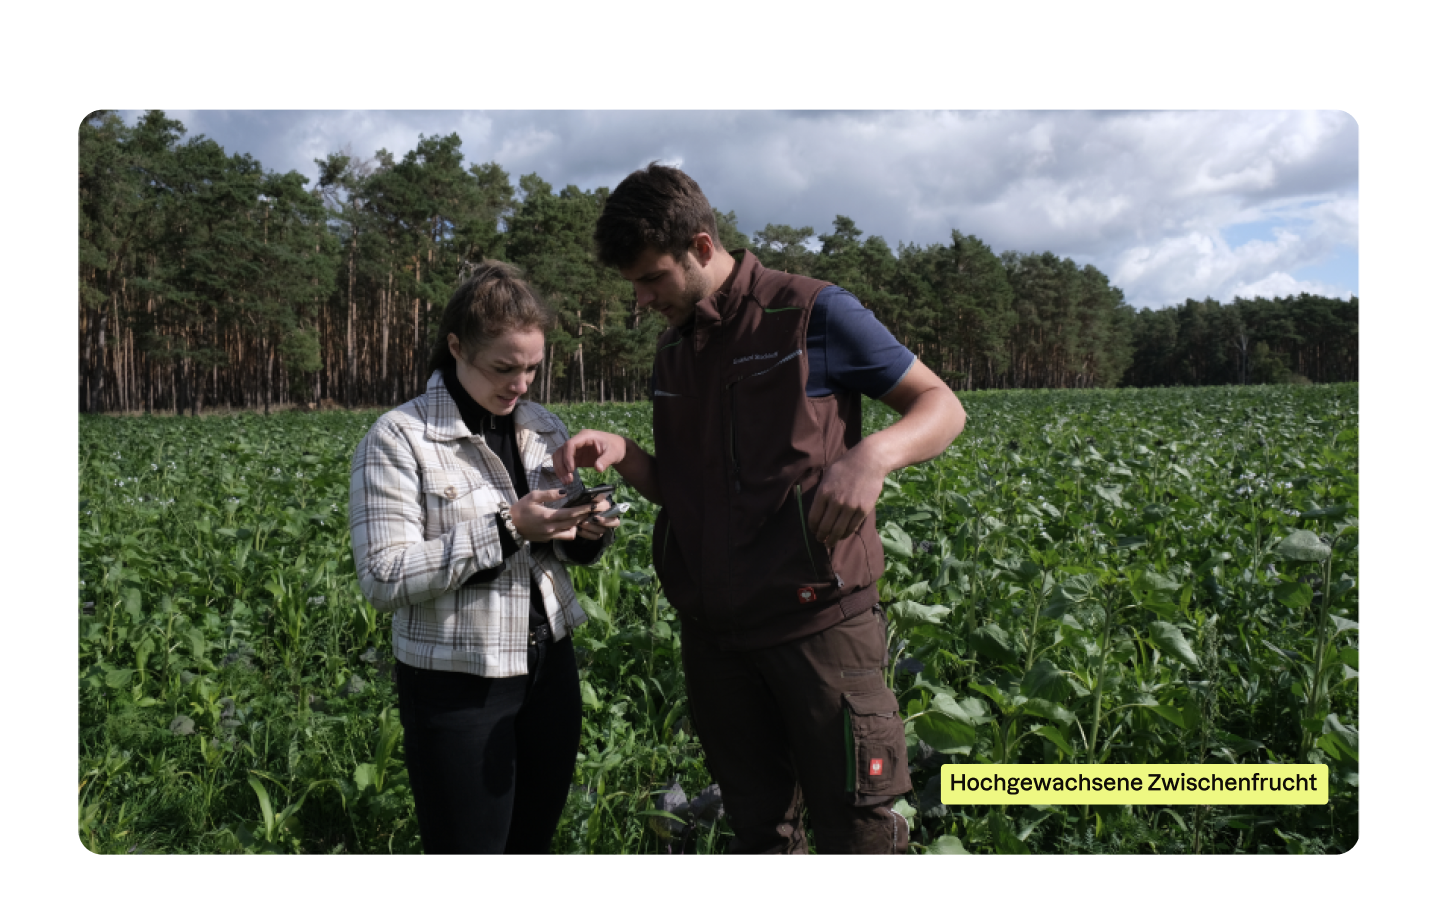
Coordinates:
(931,422)
(640,471)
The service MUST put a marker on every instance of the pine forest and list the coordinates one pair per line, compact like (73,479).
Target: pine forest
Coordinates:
(208,282)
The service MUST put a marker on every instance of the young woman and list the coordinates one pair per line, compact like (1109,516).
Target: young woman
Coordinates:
(451,530)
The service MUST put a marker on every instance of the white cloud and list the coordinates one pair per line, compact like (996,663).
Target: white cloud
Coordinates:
(1281,284)
(1146,197)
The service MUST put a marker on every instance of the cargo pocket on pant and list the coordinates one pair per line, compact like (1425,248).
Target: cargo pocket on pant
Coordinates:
(876,748)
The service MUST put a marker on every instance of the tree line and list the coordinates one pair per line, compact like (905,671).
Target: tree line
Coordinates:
(206,280)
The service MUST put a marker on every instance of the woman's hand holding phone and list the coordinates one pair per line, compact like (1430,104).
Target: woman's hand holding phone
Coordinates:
(539,523)
(594,526)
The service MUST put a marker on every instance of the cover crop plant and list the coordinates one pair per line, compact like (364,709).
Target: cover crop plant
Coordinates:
(1085,576)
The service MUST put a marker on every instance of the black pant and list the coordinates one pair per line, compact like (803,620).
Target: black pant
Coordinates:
(491,760)
(809,722)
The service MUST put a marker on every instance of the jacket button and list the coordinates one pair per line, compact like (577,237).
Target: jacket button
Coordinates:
(451,492)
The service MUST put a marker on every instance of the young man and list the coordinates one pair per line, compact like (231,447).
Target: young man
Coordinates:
(766,543)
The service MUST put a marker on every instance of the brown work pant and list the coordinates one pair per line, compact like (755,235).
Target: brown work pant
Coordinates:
(806,722)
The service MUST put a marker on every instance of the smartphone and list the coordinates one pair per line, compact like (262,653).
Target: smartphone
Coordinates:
(586,496)
(611,512)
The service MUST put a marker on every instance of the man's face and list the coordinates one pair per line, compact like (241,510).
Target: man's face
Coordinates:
(669,286)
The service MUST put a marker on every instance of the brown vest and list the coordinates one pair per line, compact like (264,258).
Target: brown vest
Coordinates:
(741,449)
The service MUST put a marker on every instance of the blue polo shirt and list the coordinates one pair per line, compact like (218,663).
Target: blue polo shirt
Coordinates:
(848,348)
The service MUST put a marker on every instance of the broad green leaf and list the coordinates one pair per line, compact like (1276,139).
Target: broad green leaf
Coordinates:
(905,810)
(1294,595)
(1171,641)
(969,710)
(1345,736)
(590,697)
(1168,712)
(1056,737)
(1342,624)
(1044,680)
(365,776)
(1214,561)
(132,604)
(991,641)
(94,675)
(947,844)
(1112,494)
(910,613)
(1303,545)
(1158,583)
(896,541)
(196,642)
(592,609)
(1059,606)
(1021,570)
(915,591)
(118,678)
(942,733)
(1001,698)
(1048,709)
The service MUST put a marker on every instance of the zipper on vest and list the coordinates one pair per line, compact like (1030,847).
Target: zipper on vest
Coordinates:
(833,564)
(733,435)
(803,525)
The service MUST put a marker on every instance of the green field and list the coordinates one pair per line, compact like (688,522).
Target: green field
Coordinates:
(1123,576)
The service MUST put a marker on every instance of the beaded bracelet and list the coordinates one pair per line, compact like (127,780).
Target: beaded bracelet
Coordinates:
(508,519)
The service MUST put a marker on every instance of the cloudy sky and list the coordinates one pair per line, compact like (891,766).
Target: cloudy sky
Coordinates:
(1168,204)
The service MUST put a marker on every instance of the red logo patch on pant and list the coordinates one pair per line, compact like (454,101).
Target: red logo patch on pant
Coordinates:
(806,594)
(875,767)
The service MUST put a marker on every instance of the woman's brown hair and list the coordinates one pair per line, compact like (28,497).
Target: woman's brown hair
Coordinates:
(491,301)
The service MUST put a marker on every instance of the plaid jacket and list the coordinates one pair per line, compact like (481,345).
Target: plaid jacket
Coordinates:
(424,493)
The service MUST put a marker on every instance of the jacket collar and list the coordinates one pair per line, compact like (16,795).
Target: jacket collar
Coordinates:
(723,304)
(444,422)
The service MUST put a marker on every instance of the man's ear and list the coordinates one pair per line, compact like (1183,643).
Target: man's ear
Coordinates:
(704,248)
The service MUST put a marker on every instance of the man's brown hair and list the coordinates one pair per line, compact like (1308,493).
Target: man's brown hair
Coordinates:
(658,207)
(493,300)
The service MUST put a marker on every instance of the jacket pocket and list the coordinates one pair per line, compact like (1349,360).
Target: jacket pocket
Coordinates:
(875,745)
(454,496)
(820,556)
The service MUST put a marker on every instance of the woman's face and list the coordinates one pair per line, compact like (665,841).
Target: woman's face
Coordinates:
(498,373)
